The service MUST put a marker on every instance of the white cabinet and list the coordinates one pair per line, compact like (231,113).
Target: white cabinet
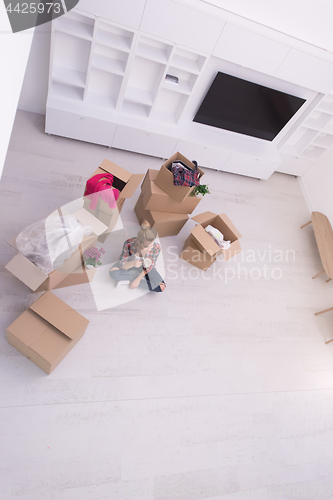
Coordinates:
(80,127)
(294,166)
(206,156)
(126,12)
(170,20)
(144,142)
(307,70)
(249,49)
(250,166)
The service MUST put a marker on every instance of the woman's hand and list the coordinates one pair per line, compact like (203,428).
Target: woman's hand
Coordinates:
(135,283)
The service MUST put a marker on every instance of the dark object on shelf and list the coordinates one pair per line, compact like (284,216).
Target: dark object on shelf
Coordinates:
(172,78)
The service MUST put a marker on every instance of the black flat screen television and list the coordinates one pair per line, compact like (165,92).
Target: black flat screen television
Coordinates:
(246,107)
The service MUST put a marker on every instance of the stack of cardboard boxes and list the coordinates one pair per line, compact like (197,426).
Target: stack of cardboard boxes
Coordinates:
(200,249)
(164,205)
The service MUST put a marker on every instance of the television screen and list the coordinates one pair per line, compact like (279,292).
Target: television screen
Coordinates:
(246,108)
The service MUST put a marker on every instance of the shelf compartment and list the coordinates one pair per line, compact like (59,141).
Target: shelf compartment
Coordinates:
(104,83)
(71,53)
(323,140)
(317,120)
(109,59)
(313,153)
(76,24)
(300,140)
(326,105)
(144,81)
(69,76)
(135,108)
(100,100)
(186,81)
(113,36)
(67,91)
(154,49)
(188,61)
(169,106)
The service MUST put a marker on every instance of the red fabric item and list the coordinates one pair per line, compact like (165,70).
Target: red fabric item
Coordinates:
(101,186)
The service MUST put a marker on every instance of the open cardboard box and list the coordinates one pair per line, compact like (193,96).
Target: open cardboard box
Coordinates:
(206,243)
(154,198)
(192,254)
(165,223)
(36,279)
(47,331)
(124,181)
(164,179)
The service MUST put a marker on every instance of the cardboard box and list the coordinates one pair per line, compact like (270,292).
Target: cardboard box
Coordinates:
(192,254)
(79,276)
(123,180)
(164,179)
(154,198)
(165,223)
(112,222)
(206,243)
(47,331)
(35,278)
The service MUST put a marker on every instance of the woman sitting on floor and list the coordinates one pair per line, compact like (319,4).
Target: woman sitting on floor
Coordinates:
(136,265)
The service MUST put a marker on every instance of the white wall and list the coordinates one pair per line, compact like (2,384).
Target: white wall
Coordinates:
(14,53)
(317,185)
(34,89)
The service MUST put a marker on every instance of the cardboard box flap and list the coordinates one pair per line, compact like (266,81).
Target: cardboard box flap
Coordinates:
(60,315)
(132,185)
(12,243)
(26,271)
(205,240)
(112,168)
(88,219)
(28,327)
(226,219)
(233,250)
(51,344)
(204,218)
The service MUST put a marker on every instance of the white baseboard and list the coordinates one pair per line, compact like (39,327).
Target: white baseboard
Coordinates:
(305,194)
(33,109)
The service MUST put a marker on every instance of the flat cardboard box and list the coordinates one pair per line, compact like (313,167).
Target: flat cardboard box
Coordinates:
(164,179)
(165,223)
(47,331)
(35,278)
(123,180)
(206,243)
(154,198)
(192,254)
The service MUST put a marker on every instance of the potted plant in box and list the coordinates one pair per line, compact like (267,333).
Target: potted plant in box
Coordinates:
(92,257)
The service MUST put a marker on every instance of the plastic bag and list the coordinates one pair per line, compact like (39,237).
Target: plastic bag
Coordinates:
(51,241)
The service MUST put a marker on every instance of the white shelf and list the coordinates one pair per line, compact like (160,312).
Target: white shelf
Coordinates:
(317,120)
(113,36)
(135,108)
(188,61)
(67,91)
(186,81)
(69,76)
(100,100)
(313,153)
(73,27)
(323,140)
(138,95)
(104,83)
(154,50)
(106,64)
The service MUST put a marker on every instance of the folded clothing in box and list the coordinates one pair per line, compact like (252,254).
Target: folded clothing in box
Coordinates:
(165,178)
(165,223)
(47,331)
(154,198)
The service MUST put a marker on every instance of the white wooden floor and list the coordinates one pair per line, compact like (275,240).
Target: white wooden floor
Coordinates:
(220,388)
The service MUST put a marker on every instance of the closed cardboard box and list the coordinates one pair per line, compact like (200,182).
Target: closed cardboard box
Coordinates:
(165,223)
(47,331)
(154,198)
(164,179)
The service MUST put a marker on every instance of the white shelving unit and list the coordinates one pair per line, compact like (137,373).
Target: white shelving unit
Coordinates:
(315,135)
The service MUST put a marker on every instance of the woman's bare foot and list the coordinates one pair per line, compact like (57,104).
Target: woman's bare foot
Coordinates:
(162,286)
(114,269)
